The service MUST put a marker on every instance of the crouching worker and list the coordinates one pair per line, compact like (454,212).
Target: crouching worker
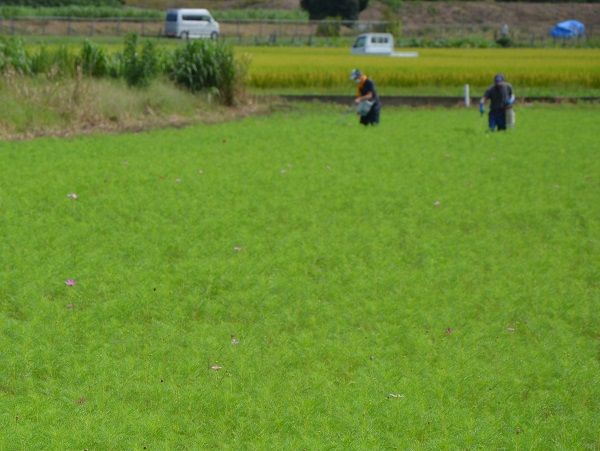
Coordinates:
(501,98)
(367,100)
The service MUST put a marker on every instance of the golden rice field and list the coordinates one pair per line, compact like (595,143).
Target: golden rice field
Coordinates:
(305,67)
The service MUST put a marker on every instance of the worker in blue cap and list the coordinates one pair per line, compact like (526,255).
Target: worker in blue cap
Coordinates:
(501,98)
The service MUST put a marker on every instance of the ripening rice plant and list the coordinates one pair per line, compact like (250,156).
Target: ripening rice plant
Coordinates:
(326,67)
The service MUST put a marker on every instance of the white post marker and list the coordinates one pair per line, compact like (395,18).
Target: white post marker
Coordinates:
(510,117)
(467,97)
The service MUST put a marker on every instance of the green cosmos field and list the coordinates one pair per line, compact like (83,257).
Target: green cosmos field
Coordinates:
(295,281)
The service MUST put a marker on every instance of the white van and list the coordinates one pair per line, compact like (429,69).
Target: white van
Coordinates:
(191,23)
(377,44)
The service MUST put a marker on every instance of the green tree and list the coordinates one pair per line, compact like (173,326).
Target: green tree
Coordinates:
(346,9)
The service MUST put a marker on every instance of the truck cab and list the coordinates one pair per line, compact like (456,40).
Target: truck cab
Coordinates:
(381,44)
(373,44)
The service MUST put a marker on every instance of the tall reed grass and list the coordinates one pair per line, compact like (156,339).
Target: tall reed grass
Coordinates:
(202,63)
(199,65)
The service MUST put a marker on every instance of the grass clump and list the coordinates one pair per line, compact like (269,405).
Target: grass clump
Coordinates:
(139,69)
(48,105)
(202,65)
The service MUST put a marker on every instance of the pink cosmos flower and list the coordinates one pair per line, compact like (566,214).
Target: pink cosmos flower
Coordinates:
(70,282)
(448,331)
(72,196)
(237,248)
(512,329)
(216,368)
(436,203)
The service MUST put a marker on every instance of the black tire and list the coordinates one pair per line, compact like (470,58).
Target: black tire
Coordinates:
(185,35)
(214,35)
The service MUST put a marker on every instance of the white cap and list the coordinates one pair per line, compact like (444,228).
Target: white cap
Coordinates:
(356,73)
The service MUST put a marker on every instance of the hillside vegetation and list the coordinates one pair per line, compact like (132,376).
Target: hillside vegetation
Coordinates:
(425,12)
(416,17)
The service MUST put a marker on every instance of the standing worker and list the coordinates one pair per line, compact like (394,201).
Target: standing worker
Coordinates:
(367,100)
(501,102)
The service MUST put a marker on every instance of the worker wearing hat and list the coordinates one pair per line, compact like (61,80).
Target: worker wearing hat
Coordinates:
(367,100)
(501,98)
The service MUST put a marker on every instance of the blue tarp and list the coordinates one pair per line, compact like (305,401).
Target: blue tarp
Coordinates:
(568,29)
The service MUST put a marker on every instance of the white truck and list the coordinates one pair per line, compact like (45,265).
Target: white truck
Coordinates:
(381,44)
(190,24)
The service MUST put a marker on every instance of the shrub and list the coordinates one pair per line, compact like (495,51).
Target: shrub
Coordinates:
(41,61)
(204,64)
(13,53)
(476,43)
(64,60)
(505,42)
(93,60)
(330,28)
(139,69)
(61,61)
(391,24)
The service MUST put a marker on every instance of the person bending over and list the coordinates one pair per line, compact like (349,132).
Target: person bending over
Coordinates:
(367,100)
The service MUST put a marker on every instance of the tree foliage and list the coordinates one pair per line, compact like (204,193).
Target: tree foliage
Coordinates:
(322,9)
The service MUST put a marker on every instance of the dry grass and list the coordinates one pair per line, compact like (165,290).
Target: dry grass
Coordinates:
(54,106)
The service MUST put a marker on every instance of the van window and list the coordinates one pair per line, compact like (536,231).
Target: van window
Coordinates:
(379,39)
(360,42)
(195,18)
(172,17)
